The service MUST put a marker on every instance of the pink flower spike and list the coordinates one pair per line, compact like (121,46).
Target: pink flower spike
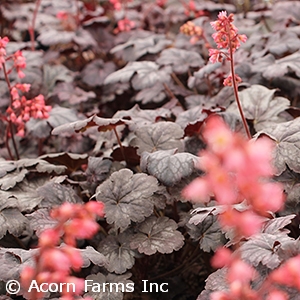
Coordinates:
(277,295)
(197,191)
(222,258)
(95,208)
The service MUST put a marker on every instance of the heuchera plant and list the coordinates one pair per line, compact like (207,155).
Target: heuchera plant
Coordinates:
(150,142)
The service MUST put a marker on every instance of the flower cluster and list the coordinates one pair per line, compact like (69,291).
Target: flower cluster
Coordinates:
(23,109)
(124,25)
(3,43)
(19,63)
(236,170)
(190,29)
(192,11)
(239,277)
(53,264)
(226,38)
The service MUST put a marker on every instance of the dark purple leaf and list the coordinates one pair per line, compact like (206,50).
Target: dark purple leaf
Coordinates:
(157,235)
(6,167)
(80,126)
(143,74)
(206,70)
(54,194)
(135,47)
(25,194)
(208,233)
(271,68)
(96,71)
(291,184)
(84,39)
(180,60)
(13,260)
(52,74)
(217,281)
(41,128)
(199,214)
(142,117)
(287,140)
(11,179)
(168,166)
(276,226)
(89,254)
(158,136)
(13,221)
(97,170)
(117,251)
(127,197)
(263,248)
(41,220)
(55,37)
(155,94)
(128,154)
(261,105)
(192,120)
(281,43)
(197,100)
(283,11)
(66,91)
(40,165)
(71,161)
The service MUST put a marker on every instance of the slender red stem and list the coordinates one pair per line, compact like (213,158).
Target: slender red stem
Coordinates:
(10,125)
(31,28)
(235,88)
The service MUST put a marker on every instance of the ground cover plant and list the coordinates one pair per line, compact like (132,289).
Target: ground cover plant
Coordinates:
(149,149)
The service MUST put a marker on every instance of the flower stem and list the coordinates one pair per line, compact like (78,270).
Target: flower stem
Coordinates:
(235,88)
(10,125)
(31,28)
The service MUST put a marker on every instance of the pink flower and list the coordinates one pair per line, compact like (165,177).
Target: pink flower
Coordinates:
(215,55)
(48,238)
(222,258)
(227,38)
(228,81)
(125,25)
(19,63)
(277,295)
(288,274)
(235,170)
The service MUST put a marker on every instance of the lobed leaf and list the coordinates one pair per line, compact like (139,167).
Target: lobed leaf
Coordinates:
(104,124)
(127,197)
(261,106)
(157,235)
(144,74)
(89,254)
(263,248)
(40,220)
(168,166)
(12,221)
(137,46)
(158,136)
(208,233)
(117,251)
(180,60)
(287,144)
